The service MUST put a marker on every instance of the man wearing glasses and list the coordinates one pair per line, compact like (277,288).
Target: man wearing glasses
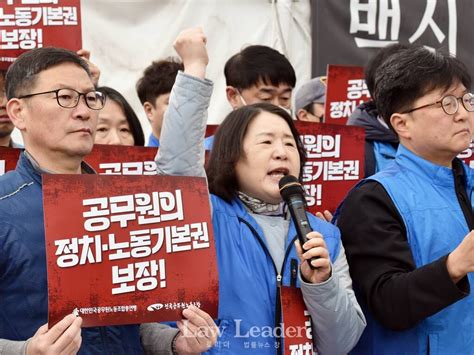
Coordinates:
(53,102)
(407,229)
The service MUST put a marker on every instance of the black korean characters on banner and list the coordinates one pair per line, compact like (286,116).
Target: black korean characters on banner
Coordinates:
(359,27)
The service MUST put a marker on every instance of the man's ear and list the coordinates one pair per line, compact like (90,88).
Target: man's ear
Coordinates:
(401,124)
(149,111)
(302,115)
(233,97)
(16,110)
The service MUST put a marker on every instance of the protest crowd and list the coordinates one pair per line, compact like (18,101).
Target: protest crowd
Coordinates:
(385,270)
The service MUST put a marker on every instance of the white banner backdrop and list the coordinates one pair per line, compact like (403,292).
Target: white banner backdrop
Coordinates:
(125,36)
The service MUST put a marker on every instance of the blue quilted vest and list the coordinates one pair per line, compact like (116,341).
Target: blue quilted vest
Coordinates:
(384,154)
(425,197)
(248,279)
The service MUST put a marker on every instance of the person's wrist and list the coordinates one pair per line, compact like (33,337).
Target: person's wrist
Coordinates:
(453,267)
(197,69)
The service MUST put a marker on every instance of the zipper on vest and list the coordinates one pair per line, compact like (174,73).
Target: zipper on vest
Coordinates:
(279,281)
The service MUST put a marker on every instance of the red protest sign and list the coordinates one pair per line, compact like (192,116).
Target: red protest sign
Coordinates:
(8,159)
(211,130)
(346,89)
(335,162)
(297,329)
(29,24)
(128,249)
(467,157)
(122,160)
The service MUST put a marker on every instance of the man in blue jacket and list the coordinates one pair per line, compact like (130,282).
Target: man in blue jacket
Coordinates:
(53,102)
(408,229)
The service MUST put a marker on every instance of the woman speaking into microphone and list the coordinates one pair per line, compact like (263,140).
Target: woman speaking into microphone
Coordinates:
(255,238)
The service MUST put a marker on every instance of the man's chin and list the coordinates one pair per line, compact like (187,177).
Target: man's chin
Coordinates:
(82,149)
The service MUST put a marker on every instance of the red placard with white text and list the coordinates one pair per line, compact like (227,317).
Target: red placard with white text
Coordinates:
(128,249)
(211,129)
(8,159)
(335,162)
(467,156)
(122,160)
(29,24)
(346,89)
(297,327)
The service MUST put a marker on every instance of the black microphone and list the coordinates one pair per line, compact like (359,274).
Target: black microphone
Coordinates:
(292,193)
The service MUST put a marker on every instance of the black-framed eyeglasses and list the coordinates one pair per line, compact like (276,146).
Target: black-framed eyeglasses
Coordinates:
(69,98)
(450,104)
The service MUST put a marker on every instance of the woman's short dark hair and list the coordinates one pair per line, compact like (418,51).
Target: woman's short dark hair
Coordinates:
(228,147)
(132,119)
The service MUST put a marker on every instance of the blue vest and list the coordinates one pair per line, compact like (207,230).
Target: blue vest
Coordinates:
(384,154)
(425,197)
(248,279)
(208,142)
(23,277)
(153,141)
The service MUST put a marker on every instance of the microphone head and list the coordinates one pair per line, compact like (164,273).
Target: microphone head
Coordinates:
(290,186)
